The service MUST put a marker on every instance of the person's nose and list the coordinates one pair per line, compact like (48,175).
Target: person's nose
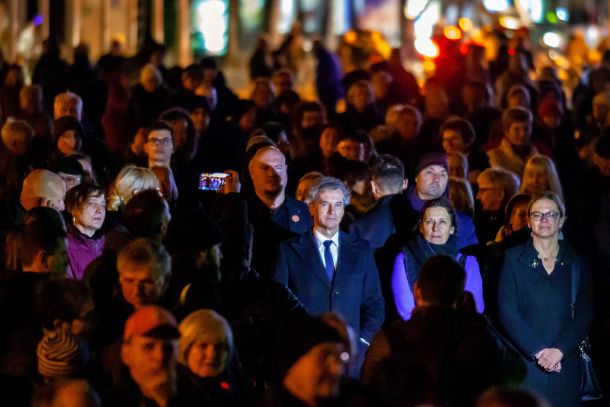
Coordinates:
(434,226)
(330,210)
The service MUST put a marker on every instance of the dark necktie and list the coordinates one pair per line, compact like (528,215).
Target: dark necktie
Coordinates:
(328,259)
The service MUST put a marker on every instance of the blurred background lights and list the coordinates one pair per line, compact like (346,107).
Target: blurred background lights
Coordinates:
(551,39)
(414,8)
(426,47)
(452,32)
(496,5)
(562,13)
(465,24)
(212,23)
(509,22)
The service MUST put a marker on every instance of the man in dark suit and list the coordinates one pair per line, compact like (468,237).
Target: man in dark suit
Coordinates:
(330,270)
(387,226)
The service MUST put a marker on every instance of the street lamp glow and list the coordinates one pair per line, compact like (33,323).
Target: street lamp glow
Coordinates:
(551,39)
(495,5)
(509,22)
(562,13)
(426,47)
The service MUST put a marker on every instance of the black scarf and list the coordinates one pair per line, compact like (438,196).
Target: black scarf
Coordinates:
(421,250)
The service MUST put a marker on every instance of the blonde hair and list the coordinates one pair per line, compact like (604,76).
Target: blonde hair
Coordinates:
(203,324)
(130,181)
(460,195)
(545,163)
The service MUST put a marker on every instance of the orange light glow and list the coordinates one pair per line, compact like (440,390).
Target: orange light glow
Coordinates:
(465,24)
(452,33)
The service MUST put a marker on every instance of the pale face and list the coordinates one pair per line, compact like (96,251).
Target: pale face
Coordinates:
(431,182)
(546,227)
(151,361)
(89,218)
(453,142)
(518,134)
(69,142)
(436,226)
(159,147)
(138,285)
(317,374)
(327,211)
(268,172)
(208,357)
(535,179)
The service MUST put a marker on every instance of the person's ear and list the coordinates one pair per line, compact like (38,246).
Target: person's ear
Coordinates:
(562,221)
(125,354)
(451,230)
(417,294)
(405,184)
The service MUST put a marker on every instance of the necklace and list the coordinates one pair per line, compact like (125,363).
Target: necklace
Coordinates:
(546,258)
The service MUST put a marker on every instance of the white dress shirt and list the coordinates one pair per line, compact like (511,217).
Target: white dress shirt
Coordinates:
(334,248)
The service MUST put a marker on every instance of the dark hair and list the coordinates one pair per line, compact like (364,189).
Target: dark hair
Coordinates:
(38,236)
(193,71)
(461,126)
(158,126)
(514,115)
(45,215)
(388,171)
(78,196)
(602,145)
(301,108)
(441,202)
(351,171)
(551,196)
(143,214)
(188,149)
(61,299)
(441,280)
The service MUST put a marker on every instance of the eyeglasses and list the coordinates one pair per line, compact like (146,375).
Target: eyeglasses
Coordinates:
(546,215)
(160,141)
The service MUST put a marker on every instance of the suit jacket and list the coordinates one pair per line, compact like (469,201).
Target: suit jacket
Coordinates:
(354,292)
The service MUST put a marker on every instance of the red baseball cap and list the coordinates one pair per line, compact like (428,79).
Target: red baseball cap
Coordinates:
(151,321)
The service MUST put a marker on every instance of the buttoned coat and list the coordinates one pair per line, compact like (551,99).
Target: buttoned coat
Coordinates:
(354,291)
(535,312)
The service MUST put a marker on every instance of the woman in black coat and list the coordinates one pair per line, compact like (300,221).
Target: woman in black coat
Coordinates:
(534,303)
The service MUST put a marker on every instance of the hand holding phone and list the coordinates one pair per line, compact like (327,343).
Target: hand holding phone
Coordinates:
(212,181)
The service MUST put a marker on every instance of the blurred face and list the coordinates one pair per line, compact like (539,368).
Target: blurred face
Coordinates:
(600,111)
(552,120)
(159,147)
(518,134)
(303,189)
(248,121)
(57,261)
(69,143)
(327,211)
(268,172)
(150,84)
(208,357)
(408,125)
(490,196)
(453,142)
(381,84)
(15,142)
(518,99)
(602,164)
(90,216)
(431,182)
(66,108)
(549,222)
(179,127)
(351,149)
(151,361)
(518,217)
(200,119)
(262,95)
(456,167)
(283,83)
(138,284)
(328,141)
(311,118)
(317,374)
(360,99)
(436,226)
(535,179)
(70,180)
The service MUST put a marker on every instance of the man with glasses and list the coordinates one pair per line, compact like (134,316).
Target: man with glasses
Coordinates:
(159,145)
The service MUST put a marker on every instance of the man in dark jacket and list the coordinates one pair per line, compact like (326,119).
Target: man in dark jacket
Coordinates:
(442,354)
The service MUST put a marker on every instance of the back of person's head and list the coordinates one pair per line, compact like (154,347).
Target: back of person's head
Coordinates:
(130,181)
(147,214)
(441,281)
(36,237)
(66,393)
(351,171)
(388,173)
(460,195)
(192,232)
(146,252)
(39,185)
(500,178)
(61,300)
(44,214)
(510,397)
(193,72)
(16,131)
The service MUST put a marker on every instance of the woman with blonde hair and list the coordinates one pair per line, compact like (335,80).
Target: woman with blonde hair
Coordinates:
(540,175)
(130,181)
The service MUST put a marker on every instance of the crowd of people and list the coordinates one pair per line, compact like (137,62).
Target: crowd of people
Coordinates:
(447,245)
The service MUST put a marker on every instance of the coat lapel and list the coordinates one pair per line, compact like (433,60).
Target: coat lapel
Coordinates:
(306,249)
(346,258)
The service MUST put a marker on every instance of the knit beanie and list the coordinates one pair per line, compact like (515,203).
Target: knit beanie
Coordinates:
(296,337)
(257,143)
(66,123)
(432,158)
(61,355)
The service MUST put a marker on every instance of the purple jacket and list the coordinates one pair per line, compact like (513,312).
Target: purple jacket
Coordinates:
(403,293)
(82,250)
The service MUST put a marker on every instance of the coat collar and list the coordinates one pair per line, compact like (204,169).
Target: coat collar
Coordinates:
(529,255)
